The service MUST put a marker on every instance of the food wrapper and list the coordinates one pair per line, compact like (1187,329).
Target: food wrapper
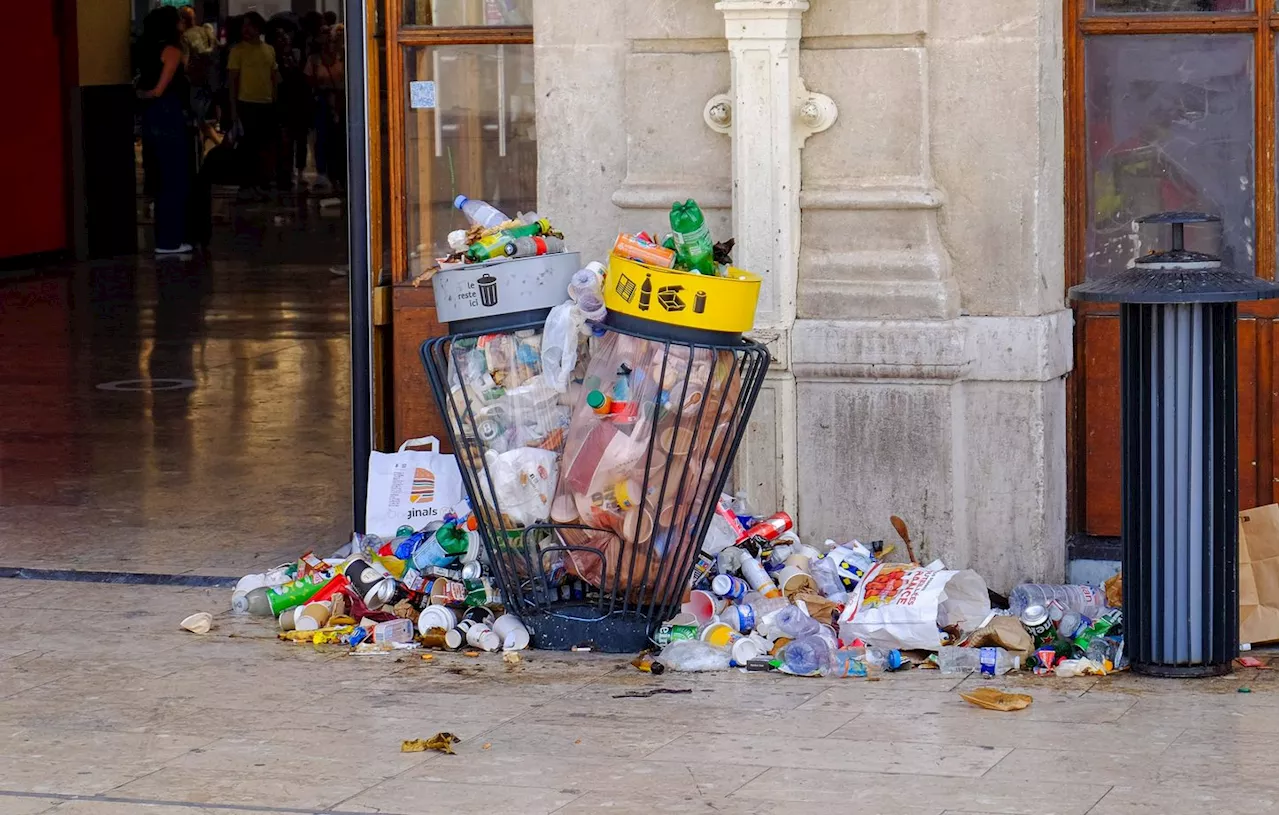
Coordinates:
(993,699)
(1005,632)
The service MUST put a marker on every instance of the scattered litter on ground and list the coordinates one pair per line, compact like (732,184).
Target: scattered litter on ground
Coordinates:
(993,699)
(442,742)
(198,623)
(645,694)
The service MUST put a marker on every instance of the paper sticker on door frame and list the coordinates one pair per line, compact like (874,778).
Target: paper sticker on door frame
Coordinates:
(422,94)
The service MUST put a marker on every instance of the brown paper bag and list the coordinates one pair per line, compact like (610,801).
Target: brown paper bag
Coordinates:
(1260,574)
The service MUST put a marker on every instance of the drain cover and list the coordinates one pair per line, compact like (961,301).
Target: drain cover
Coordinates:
(147,385)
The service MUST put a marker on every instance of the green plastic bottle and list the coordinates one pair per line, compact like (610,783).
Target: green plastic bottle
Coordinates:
(495,246)
(693,239)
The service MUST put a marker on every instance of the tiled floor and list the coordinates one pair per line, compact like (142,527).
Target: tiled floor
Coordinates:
(247,467)
(107,708)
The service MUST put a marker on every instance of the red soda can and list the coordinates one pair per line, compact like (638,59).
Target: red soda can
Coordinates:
(770,528)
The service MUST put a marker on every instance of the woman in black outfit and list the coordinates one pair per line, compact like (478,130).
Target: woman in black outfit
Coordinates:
(162,84)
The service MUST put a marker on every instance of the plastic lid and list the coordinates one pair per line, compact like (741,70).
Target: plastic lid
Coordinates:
(595,399)
(459,201)
(721,584)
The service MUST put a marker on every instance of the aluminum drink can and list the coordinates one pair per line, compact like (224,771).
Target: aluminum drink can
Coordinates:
(1036,620)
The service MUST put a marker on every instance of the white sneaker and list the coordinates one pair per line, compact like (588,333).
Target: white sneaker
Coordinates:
(181,249)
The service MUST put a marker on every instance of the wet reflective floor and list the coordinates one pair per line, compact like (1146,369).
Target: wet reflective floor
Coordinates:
(180,415)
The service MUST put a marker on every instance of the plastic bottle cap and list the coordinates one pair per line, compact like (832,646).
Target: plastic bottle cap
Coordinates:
(595,400)
(459,201)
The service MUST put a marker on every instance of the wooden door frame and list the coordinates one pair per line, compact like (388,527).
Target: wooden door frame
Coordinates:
(1076,27)
(400,37)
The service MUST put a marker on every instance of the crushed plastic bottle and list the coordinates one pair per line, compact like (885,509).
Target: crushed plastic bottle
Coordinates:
(956,659)
(794,623)
(807,656)
(693,655)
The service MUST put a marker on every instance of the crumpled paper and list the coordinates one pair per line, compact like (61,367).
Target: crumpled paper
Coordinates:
(443,742)
(993,699)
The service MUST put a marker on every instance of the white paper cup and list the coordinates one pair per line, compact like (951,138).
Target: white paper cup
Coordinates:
(512,632)
(747,649)
(436,617)
(313,616)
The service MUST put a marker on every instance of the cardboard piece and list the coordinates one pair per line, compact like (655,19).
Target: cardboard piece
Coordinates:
(1260,574)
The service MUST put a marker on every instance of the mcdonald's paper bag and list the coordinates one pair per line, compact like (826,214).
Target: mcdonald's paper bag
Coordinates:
(410,487)
(1259,583)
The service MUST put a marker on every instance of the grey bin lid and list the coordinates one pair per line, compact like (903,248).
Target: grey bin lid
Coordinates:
(1175,275)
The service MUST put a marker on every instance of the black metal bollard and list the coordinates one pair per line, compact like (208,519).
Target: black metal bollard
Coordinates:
(1180,452)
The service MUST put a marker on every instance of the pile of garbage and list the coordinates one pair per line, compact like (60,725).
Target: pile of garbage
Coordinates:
(577,431)
(492,235)
(762,600)
(425,588)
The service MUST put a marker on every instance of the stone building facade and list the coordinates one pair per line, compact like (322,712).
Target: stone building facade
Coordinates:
(893,169)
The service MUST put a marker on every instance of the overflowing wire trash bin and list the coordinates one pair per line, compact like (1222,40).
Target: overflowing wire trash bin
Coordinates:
(592,520)
(1179,451)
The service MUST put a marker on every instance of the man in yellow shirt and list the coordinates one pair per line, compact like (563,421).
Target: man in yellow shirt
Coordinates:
(251,67)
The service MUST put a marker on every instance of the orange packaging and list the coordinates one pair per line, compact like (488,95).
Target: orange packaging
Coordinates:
(629,247)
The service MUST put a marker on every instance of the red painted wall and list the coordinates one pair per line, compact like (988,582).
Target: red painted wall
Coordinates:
(33,215)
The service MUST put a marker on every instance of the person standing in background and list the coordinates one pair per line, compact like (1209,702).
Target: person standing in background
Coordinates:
(162,85)
(293,107)
(198,46)
(253,75)
(325,73)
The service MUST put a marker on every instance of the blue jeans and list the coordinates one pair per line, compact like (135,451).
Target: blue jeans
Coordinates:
(170,148)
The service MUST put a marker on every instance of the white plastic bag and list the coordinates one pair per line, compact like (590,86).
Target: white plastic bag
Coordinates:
(901,605)
(694,655)
(560,336)
(525,482)
(410,487)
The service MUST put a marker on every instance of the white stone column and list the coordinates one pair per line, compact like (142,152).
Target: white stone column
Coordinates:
(768,114)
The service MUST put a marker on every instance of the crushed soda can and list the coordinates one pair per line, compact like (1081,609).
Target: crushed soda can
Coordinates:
(1046,656)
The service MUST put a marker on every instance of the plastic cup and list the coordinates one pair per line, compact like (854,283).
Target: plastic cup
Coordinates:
(512,632)
(720,635)
(436,617)
(703,605)
(747,649)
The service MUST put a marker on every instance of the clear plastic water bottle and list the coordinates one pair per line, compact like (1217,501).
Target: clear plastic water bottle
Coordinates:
(884,659)
(825,573)
(848,663)
(807,656)
(795,623)
(586,289)
(955,659)
(1070,598)
(480,213)
(1071,623)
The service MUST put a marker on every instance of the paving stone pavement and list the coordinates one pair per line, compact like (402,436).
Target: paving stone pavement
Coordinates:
(108,708)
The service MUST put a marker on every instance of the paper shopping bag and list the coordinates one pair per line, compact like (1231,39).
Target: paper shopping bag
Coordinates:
(1259,583)
(410,487)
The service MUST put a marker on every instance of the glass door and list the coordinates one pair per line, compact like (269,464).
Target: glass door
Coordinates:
(1170,105)
(462,82)
(460,114)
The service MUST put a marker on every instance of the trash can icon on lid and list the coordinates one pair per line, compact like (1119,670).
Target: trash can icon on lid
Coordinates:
(488,289)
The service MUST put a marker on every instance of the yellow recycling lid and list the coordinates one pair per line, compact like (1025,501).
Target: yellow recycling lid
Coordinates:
(682,299)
